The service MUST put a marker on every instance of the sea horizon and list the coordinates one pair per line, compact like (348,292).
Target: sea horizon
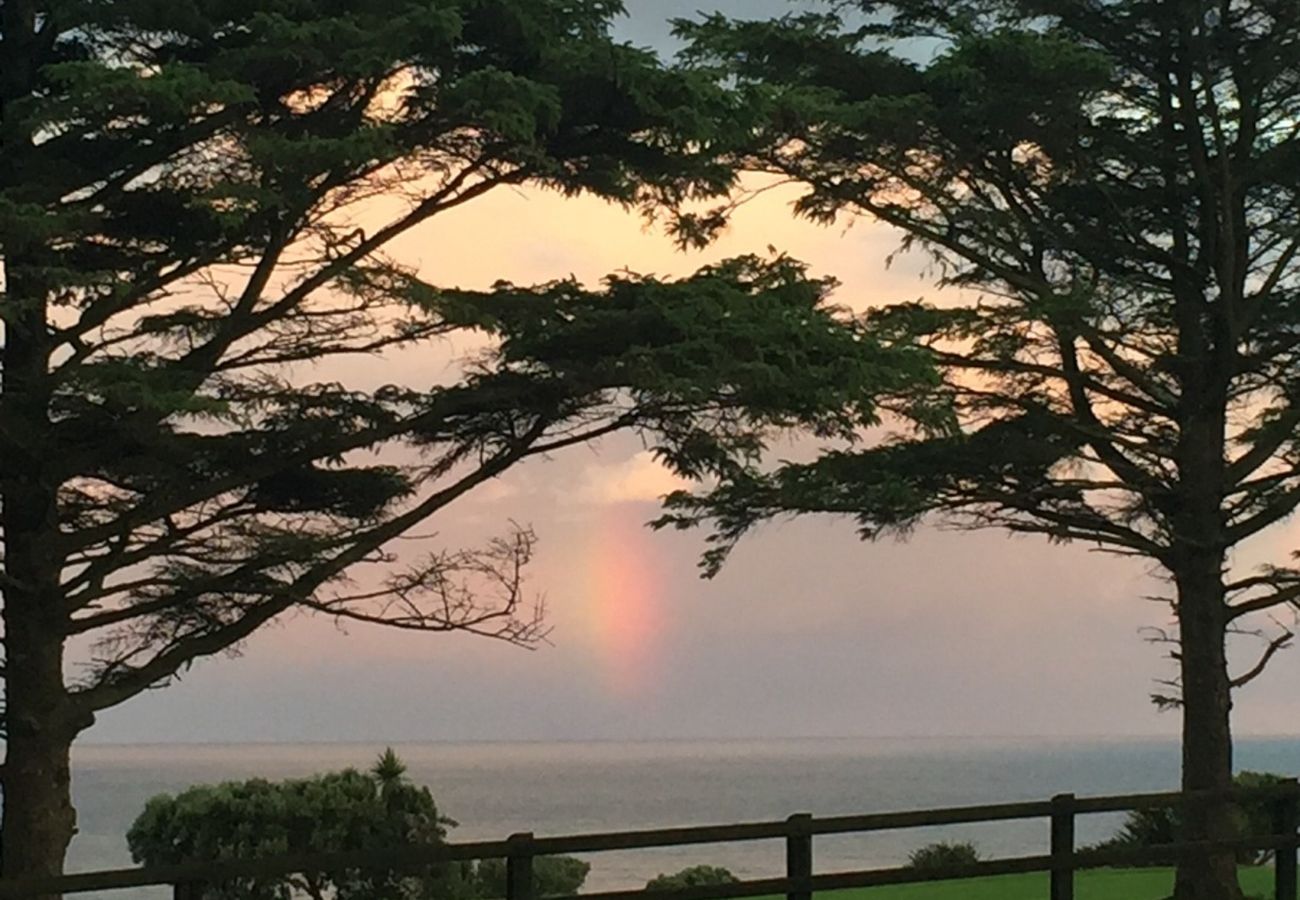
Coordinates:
(494,788)
(673,739)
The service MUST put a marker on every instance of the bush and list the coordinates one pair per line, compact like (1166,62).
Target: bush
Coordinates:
(331,813)
(942,855)
(1144,828)
(553,876)
(694,876)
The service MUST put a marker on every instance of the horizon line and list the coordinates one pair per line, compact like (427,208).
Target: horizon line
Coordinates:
(391,740)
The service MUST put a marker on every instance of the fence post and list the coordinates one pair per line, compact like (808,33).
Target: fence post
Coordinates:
(519,867)
(1062,847)
(799,857)
(1286,818)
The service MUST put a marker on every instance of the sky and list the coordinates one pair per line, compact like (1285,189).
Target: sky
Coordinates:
(806,632)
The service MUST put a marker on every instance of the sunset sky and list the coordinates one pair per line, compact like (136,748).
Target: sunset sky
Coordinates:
(806,632)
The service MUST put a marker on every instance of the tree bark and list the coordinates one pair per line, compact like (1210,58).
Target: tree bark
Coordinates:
(41,718)
(41,722)
(39,820)
(1197,560)
(1207,734)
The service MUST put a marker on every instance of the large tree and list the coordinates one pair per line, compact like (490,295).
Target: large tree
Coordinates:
(195,201)
(1116,182)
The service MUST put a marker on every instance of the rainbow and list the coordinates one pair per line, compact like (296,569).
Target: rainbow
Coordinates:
(626,619)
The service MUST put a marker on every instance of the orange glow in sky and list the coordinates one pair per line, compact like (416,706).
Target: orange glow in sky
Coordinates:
(624,603)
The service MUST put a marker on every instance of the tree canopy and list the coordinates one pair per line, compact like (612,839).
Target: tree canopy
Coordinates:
(1115,183)
(1045,159)
(197,200)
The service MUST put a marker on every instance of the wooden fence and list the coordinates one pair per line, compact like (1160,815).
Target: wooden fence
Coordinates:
(1063,859)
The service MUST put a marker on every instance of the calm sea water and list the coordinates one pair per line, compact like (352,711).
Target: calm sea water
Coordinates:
(495,789)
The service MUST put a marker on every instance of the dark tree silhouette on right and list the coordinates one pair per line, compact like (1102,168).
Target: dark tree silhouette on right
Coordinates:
(1117,180)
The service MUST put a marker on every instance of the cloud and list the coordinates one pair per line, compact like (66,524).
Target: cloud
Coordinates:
(495,491)
(640,479)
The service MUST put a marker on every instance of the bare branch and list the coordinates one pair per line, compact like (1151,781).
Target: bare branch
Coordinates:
(1278,643)
(128,682)
(476,591)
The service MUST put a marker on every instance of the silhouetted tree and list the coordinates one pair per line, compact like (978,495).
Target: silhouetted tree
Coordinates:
(194,199)
(1117,180)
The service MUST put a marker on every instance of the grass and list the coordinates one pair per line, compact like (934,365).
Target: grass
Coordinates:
(1096,884)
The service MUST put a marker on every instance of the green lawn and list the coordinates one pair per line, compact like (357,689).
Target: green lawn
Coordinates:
(1098,884)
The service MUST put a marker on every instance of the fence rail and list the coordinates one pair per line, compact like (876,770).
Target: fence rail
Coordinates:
(1063,859)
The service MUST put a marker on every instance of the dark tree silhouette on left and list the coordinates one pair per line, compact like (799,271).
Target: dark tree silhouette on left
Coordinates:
(179,186)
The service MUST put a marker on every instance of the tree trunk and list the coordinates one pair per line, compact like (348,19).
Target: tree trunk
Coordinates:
(39,821)
(1207,735)
(41,719)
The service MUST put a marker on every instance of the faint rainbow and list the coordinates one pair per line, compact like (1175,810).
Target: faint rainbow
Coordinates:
(625,601)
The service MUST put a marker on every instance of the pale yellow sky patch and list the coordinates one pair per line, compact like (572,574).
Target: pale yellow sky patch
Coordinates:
(639,478)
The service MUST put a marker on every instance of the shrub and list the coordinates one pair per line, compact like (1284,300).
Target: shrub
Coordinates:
(942,855)
(1144,828)
(330,813)
(693,876)
(553,876)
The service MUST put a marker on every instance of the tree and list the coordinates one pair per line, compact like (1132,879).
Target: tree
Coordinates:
(186,214)
(339,812)
(1117,180)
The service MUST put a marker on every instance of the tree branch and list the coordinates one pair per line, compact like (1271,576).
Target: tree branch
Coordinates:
(1278,643)
(165,664)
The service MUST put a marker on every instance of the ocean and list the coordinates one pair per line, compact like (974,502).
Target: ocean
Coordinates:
(495,789)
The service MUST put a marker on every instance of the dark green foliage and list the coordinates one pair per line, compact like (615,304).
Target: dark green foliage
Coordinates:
(1145,828)
(553,876)
(1117,184)
(1009,150)
(943,855)
(691,876)
(196,203)
(209,156)
(334,813)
